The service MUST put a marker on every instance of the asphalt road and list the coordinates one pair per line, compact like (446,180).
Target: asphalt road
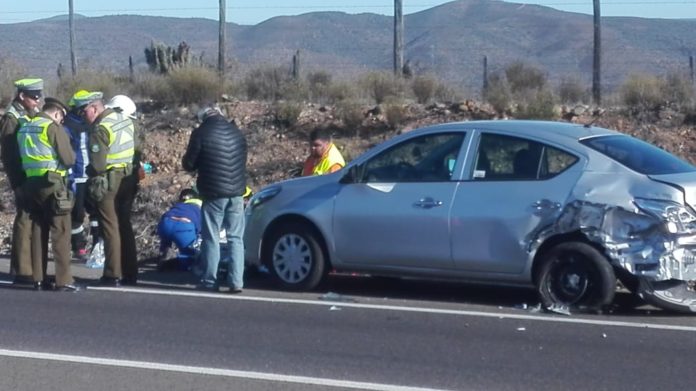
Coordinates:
(356,333)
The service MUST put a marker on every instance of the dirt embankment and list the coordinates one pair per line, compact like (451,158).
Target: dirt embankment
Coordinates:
(277,152)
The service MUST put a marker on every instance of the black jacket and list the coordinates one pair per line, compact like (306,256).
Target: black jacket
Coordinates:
(218,151)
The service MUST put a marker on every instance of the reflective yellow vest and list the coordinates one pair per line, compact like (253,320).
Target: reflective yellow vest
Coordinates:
(195,201)
(37,153)
(330,158)
(121,140)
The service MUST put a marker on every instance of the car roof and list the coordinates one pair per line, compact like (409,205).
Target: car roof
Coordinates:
(561,132)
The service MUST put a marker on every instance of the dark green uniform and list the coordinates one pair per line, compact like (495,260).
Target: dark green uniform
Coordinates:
(24,253)
(114,208)
(42,192)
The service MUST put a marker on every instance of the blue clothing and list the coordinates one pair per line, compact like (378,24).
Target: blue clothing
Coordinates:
(227,214)
(77,130)
(186,210)
(181,233)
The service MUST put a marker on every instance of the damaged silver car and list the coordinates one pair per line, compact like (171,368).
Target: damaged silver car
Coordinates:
(565,208)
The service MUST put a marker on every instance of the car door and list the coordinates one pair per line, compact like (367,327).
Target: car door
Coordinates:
(396,214)
(517,187)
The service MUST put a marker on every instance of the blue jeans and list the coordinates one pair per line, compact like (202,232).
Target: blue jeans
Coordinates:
(227,214)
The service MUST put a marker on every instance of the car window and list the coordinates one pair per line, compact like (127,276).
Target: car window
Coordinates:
(502,157)
(638,155)
(429,158)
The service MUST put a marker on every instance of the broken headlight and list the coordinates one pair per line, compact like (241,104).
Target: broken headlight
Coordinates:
(678,218)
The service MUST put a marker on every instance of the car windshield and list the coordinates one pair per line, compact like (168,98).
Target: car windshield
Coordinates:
(638,155)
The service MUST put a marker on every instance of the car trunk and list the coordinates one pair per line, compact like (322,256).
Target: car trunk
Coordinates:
(686,182)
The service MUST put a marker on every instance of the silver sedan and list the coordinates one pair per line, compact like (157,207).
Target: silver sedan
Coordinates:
(564,208)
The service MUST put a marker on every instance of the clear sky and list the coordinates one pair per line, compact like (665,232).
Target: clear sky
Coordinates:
(255,11)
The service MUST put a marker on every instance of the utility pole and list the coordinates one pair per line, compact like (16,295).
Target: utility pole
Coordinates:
(485,76)
(597,62)
(71,23)
(221,41)
(398,38)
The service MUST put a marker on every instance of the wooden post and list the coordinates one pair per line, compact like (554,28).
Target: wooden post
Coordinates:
(296,66)
(59,71)
(485,76)
(691,68)
(131,73)
(597,62)
(71,23)
(398,38)
(221,43)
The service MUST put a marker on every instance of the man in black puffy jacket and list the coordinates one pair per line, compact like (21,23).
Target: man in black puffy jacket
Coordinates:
(217,150)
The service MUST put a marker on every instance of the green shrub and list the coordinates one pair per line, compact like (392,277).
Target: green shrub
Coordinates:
(521,77)
(194,84)
(540,107)
(350,113)
(642,92)
(445,93)
(498,94)
(424,88)
(339,92)
(382,85)
(288,113)
(267,83)
(678,90)
(108,83)
(572,91)
(9,72)
(395,113)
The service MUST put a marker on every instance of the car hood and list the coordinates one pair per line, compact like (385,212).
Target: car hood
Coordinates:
(686,182)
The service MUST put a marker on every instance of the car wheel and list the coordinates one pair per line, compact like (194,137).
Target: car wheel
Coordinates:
(295,257)
(575,275)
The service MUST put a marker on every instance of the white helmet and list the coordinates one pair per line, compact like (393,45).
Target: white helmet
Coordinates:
(124,104)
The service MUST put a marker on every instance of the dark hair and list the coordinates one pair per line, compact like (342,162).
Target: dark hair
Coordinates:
(320,134)
(187,194)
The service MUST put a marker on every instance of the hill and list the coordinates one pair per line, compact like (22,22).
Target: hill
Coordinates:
(449,40)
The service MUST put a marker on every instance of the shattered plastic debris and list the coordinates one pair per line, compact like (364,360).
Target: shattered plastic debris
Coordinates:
(96,257)
(334,308)
(559,309)
(331,296)
(522,306)
(521,329)
(604,335)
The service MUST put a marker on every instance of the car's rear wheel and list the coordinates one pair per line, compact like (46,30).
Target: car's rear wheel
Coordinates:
(575,275)
(294,257)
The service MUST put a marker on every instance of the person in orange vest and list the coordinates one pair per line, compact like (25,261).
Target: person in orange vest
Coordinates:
(324,157)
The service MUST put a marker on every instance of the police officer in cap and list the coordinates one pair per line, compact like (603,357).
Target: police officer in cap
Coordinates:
(46,156)
(23,107)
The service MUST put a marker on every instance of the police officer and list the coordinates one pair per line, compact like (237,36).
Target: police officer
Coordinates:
(46,154)
(111,151)
(24,106)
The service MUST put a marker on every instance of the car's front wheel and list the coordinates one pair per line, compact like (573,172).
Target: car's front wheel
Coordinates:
(294,257)
(575,275)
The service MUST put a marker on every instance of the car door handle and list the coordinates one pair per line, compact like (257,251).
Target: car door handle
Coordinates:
(545,204)
(427,203)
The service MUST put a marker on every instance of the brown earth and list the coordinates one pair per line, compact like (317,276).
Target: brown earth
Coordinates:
(277,153)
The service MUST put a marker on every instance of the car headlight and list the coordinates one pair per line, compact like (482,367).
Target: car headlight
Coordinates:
(262,196)
(678,218)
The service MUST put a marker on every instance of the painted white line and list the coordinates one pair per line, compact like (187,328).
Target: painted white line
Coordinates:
(317,381)
(539,318)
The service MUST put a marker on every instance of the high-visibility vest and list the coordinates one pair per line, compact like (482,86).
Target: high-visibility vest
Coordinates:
(195,201)
(330,158)
(21,116)
(121,140)
(37,153)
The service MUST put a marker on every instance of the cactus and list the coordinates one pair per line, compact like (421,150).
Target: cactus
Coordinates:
(162,58)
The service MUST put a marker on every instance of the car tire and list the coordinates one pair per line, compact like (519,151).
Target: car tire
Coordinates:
(575,275)
(295,257)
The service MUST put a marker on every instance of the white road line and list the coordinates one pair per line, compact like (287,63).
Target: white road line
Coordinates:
(318,381)
(539,318)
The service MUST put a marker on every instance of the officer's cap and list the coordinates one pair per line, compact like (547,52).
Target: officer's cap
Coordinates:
(30,87)
(56,102)
(83,98)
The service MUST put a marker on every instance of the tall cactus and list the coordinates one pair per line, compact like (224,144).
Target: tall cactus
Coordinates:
(162,58)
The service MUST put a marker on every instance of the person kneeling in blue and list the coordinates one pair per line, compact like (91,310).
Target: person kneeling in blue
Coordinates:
(181,225)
